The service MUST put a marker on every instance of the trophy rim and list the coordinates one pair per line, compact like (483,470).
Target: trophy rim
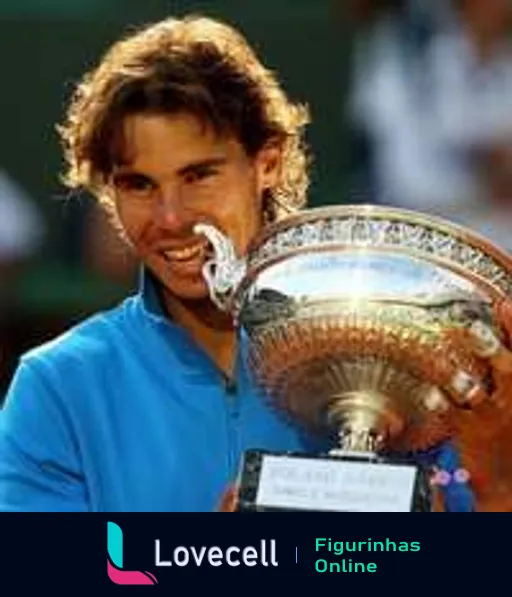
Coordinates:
(458,231)
(496,281)
(493,291)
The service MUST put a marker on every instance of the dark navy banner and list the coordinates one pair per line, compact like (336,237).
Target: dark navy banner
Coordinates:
(147,553)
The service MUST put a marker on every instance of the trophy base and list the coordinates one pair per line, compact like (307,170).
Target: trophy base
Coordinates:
(336,482)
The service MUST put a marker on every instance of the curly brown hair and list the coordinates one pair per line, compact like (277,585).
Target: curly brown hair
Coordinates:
(196,64)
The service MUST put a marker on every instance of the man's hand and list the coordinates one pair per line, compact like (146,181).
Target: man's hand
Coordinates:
(485,436)
(499,354)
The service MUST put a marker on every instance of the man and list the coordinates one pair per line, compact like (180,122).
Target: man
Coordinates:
(150,406)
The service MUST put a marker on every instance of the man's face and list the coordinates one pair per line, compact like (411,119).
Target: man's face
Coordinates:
(178,173)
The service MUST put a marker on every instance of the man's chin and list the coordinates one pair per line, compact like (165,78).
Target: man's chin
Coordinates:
(196,298)
(183,288)
(190,291)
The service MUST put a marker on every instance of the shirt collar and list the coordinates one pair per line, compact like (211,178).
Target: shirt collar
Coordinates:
(148,293)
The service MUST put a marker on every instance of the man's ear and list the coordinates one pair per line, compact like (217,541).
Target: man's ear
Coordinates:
(268,164)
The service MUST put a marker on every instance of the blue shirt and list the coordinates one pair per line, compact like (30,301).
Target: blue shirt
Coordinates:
(125,412)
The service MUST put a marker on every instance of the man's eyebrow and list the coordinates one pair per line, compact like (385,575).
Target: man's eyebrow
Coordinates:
(208,163)
(126,172)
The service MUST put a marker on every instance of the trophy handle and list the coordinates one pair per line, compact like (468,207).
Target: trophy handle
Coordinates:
(224,271)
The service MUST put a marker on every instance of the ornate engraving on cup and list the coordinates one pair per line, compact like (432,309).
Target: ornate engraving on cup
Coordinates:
(361,318)
(388,229)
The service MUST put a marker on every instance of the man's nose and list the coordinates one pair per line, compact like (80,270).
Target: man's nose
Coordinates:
(170,211)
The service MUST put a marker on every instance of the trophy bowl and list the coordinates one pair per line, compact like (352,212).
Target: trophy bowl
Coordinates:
(373,321)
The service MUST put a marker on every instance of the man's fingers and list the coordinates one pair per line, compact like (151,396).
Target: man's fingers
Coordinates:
(488,345)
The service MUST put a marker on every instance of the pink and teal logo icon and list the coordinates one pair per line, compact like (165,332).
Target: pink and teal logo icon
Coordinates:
(116,572)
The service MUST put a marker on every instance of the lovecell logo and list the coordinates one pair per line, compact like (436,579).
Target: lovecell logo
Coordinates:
(116,572)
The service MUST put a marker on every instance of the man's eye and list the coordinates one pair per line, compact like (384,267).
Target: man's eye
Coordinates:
(199,174)
(134,183)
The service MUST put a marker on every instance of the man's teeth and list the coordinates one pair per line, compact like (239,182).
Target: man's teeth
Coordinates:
(185,254)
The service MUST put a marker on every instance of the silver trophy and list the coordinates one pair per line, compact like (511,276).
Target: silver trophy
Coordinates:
(371,321)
